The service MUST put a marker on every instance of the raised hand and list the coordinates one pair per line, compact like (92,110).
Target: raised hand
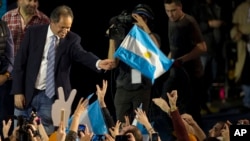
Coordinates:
(141,116)
(160,102)
(6,128)
(172,97)
(86,135)
(101,92)
(115,130)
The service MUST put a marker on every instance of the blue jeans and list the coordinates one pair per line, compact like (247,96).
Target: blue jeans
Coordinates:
(246,99)
(43,106)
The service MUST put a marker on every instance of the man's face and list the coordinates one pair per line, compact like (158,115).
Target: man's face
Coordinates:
(62,27)
(173,11)
(28,6)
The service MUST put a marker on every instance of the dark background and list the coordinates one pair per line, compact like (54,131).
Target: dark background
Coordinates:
(91,21)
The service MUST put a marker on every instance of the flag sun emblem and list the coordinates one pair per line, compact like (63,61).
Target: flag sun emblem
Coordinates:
(147,54)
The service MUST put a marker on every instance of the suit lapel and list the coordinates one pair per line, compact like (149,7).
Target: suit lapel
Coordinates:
(60,49)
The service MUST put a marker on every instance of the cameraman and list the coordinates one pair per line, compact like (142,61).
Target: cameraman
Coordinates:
(129,95)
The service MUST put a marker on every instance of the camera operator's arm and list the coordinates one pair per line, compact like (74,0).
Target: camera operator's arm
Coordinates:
(112,48)
(142,22)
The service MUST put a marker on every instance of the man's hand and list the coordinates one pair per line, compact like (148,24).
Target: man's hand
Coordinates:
(3,79)
(19,101)
(106,64)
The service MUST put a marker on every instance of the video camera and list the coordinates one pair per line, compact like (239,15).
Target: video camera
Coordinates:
(121,25)
(24,125)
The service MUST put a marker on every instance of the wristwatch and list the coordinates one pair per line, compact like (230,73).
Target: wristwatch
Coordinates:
(7,74)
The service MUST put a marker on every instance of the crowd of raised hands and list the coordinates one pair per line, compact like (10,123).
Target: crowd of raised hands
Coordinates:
(185,128)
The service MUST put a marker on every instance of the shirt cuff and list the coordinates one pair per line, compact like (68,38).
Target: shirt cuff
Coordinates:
(97,62)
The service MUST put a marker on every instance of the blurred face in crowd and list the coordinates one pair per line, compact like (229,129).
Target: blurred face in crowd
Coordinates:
(131,130)
(62,27)
(29,7)
(173,11)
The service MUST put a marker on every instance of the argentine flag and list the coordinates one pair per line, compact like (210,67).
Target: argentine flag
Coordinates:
(93,118)
(140,52)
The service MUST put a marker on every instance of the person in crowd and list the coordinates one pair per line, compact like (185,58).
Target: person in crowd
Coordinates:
(130,91)
(22,17)
(30,130)
(115,129)
(240,33)
(19,19)
(213,27)
(43,62)
(81,107)
(186,46)
(130,131)
(185,127)
(192,127)
(6,66)
(101,92)
(219,131)
(142,118)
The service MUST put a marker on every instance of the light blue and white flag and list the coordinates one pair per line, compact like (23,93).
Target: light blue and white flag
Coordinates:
(140,52)
(93,118)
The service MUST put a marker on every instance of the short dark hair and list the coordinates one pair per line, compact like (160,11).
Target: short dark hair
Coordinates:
(144,9)
(62,10)
(177,2)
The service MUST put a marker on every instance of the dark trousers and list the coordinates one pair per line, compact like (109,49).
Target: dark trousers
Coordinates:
(127,101)
(6,104)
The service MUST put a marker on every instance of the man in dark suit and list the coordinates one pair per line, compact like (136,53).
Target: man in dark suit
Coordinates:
(29,74)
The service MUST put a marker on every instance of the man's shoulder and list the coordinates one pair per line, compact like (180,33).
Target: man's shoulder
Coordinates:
(42,17)
(37,28)
(9,13)
(73,35)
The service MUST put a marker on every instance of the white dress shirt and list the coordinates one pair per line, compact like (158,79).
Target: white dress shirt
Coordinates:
(41,77)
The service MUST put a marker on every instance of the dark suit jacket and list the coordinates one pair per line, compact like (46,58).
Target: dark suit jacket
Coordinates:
(29,58)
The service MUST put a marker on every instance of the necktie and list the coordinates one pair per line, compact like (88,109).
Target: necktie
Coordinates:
(50,78)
